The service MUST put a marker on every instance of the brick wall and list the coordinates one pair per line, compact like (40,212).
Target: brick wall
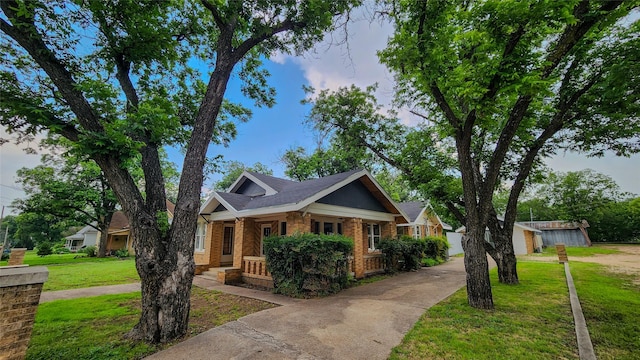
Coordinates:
(20,289)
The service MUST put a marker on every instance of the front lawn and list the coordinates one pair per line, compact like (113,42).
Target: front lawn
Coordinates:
(88,274)
(93,328)
(31,258)
(610,303)
(530,321)
(597,249)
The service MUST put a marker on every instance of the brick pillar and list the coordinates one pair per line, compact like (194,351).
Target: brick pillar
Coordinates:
(352,228)
(388,230)
(215,233)
(296,223)
(20,289)
(243,241)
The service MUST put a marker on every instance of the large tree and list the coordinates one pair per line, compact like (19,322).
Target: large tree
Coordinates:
(499,84)
(121,78)
(69,189)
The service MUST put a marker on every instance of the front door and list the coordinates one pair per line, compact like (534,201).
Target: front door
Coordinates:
(227,246)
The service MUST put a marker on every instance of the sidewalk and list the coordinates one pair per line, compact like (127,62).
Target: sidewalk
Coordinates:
(364,322)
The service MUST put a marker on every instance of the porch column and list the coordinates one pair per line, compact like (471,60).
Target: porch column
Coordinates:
(214,235)
(388,230)
(296,223)
(353,229)
(243,240)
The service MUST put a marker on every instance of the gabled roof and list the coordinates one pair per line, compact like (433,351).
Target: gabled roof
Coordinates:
(80,234)
(287,195)
(415,209)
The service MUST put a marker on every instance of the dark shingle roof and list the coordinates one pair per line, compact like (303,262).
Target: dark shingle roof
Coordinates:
(412,209)
(275,183)
(289,192)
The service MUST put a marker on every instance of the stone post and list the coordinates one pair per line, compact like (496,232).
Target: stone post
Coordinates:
(20,289)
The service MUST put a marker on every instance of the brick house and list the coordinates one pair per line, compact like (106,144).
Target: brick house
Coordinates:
(423,220)
(233,224)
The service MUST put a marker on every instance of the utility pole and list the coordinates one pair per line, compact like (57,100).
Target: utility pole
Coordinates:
(531,214)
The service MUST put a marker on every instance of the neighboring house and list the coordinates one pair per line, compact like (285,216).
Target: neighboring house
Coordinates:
(423,220)
(233,224)
(87,236)
(569,233)
(119,234)
(526,240)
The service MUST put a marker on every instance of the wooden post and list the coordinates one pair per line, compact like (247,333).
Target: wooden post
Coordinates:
(562,253)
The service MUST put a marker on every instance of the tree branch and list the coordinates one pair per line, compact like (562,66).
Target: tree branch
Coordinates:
(220,23)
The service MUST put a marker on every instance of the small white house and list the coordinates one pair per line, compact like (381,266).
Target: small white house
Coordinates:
(87,236)
(526,240)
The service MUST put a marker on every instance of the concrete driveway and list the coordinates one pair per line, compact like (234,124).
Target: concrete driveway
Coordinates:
(365,322)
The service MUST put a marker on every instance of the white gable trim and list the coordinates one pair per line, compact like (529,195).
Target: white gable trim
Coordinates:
(342,211)
(246,175)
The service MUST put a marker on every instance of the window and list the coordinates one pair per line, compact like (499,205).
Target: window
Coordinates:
(417,233)
(327,227)
(283,228)
(227,241)
(373,233)
(265,233)
(201,232)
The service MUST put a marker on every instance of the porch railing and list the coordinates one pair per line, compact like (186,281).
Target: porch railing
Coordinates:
(255,267)
(373,263)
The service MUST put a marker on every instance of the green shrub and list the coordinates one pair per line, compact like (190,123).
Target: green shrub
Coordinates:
(404,254)
(91,251)
(121,253)
(305,265)
(436,247)
(44,249)
(60,249)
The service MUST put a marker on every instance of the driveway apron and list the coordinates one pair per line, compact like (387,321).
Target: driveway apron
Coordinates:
(364,322)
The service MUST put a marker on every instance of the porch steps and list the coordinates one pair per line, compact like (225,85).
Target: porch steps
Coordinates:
(223,275)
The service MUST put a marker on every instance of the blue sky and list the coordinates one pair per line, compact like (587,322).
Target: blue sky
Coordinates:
(272,131)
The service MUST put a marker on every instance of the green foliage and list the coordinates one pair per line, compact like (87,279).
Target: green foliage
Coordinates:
(60,249)
(585,195)
(121,253)
(44,249)
(308,264)
(91,251)
(404,254)
(436,248)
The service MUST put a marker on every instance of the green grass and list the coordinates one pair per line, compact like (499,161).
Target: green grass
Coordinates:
(93,328)
(530,321)
(88,274)
(611,306)
(31,258)
(579,251)
(87,328)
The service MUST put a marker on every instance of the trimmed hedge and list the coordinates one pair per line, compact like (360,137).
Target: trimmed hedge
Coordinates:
(404,254)
(306,265)
(407,253)
(437,247)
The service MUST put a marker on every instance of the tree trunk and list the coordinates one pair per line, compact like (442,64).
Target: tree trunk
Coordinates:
(104,235)
(477,267)
(166,278)
(507,272)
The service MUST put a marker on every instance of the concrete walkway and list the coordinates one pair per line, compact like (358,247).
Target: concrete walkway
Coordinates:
(47,296)
(364,322)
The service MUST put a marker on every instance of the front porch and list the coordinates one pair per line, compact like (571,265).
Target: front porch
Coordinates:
(233,251)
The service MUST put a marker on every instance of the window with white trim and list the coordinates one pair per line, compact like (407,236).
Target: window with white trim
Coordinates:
(373,234)
(201,232)
(416,232)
